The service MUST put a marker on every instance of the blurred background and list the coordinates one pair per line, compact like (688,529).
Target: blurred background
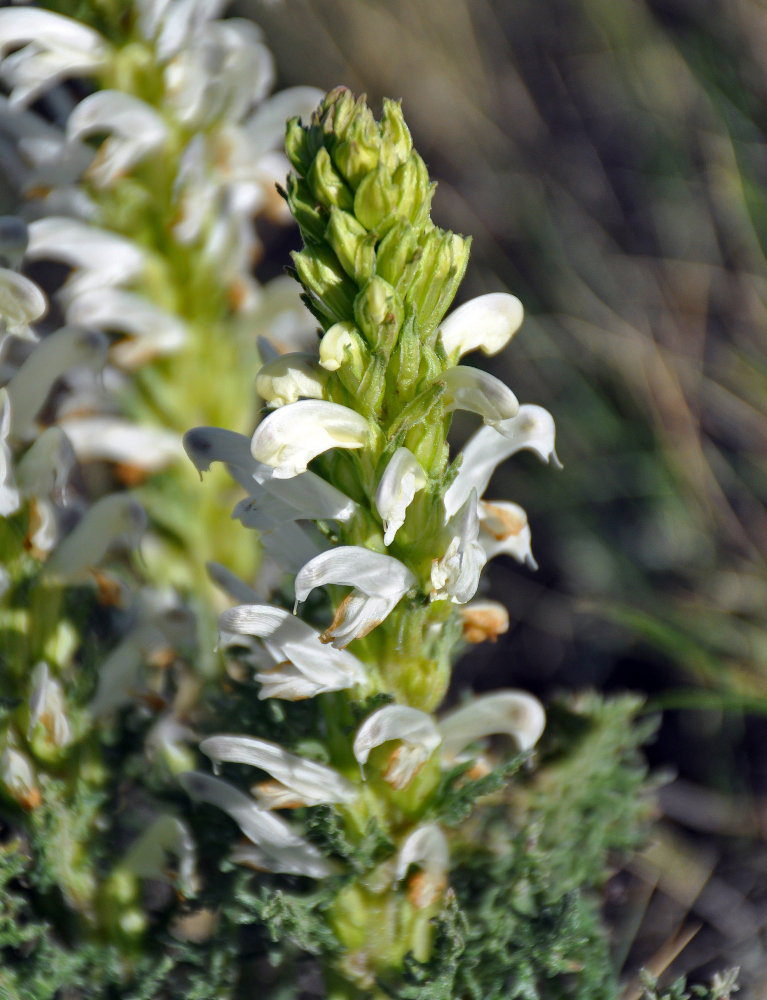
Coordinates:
(609,158)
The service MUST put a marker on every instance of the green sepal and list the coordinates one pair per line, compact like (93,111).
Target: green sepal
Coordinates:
(327,185)
(398,255)
(353,245)
(445,256)
(406,359)
(396,142)
(321,274)
(373,384)
(359,150)
(304,209)
(415,413)
(378,312)
(302,144)
(376,199)
(415,191)
(337,113)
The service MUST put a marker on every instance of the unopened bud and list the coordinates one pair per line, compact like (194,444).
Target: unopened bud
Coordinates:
(343,347)
(327,185)
(17,778)
(445,256)
(360,150)
(396,143)
(398,254)
(303,207)
(353,245)
(302,144)
(376,199)
(337,112)
(290,377)
(415,190)
(323,277)
(379,312)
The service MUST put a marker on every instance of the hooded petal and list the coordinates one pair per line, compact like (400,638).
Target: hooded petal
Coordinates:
(504,530)
(69,347)
(147,856)
(113,519)
(136,131)
(282,849)
(290,377)
(292,436)
(486,323)
(479,392)
(416,731)
(456,575)
(313,783)
(403,477)
(44,469)
(10,498)
(152,331)
(426,847)
(532,428)
(205,445)
(21,303)
(47,711)
(515,713)
(115,440)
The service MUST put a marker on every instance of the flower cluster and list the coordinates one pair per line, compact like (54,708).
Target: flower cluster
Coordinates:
(350,480)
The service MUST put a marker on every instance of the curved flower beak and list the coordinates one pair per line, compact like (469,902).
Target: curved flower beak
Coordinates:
(486,323)
(478,392)
(416,731)
(280,849)
(290,377)
(292,436)
(426,847)
(306,782)
(379,583)
(532,428)
(515,713)
(402,479)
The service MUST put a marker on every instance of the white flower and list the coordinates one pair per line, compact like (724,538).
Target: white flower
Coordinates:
(280,849)
(55,47)
(136,130)
(69,347)
(18,777)
(152,332)
(426,847)
(147,856)
(504,530)
(292,436)
(340,340)
(455,576)
(10,498)
(101,258)
(290,377)
(47,710)
(532,428)
(379,583)
(403,477)
(116,440)
(486,323)
(21,303)
(516,713)
(13,241)
(416,732)
(479,392)
(113,519)
(305,666)
(301,782)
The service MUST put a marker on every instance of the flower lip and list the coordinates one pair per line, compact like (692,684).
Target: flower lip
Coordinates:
(401,480)
(417,732)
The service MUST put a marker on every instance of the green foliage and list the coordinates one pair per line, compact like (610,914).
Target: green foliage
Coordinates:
(454,799)
(722,986)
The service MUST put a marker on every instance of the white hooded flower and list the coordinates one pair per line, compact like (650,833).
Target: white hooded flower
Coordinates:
(426,847)
(486,323)
(416,732)
(280,849)
(379,583)
(304,667)
(504,530)
(292,436)
(532,428)
(10,498)
(148,855)
(113,439)
(479,392)
(21,303)
(54,48)
(455,576)
(290,377)
(47,711)
(301,782)
(113,519)
(515,713)
(136,130)
(403,477)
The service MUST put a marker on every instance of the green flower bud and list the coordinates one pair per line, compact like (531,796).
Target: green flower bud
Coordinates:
(415,191)
(375,199)
(353,245)
(324,279)
(337,112)
(398,255)
(298,146)
(326,183)
(360,150)
(406,358)
(303,208)
(396,143)
(445,256)
(379,312)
